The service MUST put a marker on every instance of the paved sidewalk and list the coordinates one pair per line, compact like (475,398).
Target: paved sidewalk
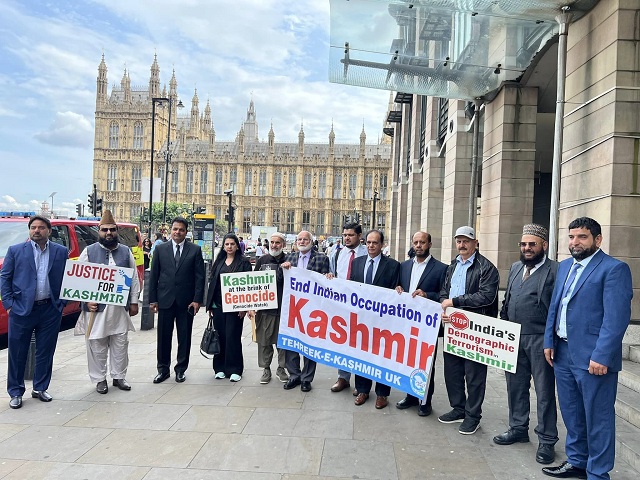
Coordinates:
(215,429)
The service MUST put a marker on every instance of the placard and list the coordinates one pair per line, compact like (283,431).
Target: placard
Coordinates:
(95,282)
(243,291)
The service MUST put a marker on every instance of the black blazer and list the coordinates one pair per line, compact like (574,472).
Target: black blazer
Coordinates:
(387,275)
(182,285)
(430,281)
(239,264)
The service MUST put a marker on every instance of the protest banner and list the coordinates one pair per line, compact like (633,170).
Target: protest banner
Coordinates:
(371,331)
(95,282)
(249,291)
(483,339)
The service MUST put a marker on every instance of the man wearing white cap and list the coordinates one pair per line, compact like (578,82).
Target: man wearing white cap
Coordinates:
(106,327)
(471,283)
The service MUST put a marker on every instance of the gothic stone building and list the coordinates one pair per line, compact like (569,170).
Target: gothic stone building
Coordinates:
(292,186)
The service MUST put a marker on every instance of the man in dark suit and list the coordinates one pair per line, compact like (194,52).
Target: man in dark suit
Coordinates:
(31,279)
(374,269)
(176,291)
(422,276)
(588,316)
(308,258)
(526,301)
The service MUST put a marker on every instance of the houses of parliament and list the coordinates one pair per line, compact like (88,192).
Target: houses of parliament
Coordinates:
(293,186)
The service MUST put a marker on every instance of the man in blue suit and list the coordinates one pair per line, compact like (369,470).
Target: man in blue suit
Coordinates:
(422,276)
(589,313)
(30,282)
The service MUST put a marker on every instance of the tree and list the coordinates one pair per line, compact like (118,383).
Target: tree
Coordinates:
(174,209)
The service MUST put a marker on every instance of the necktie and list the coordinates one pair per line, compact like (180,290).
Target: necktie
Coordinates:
(177,256)
(369,276)
(353,255)
(304,262)
(572,277)
(527,272)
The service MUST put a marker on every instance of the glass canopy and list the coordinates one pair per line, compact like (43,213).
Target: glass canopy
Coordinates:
(461,49)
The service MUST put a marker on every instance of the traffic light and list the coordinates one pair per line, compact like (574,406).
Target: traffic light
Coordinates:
(79,209)
(229,217)
(202,209)
(98,206)
(91,203)
(357,215)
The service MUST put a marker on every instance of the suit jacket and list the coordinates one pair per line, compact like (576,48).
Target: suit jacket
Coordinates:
(387,275)
(182,285)
(318,262)
(430,281)
(545,278)
(598,311)
(18,277)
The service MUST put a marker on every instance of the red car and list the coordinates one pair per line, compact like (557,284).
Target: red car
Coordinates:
(73,234)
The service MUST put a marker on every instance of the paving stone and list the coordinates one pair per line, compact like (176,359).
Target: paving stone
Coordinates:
(35,412)
(7,466)
(300,423)
(359,459)
(147,416)
(185,393)
(198,474)
(75,471)
(268,397)
(214,419)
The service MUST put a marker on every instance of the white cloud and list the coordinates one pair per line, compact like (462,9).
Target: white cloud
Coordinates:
(69,129)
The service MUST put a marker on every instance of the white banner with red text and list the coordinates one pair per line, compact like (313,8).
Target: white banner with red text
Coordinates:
(370,331)
(95,282)
(483,339)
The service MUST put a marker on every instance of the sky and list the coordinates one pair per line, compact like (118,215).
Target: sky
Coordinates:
(275,52)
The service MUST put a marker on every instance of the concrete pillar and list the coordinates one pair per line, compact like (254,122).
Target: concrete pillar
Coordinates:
(601,150)
(507,174)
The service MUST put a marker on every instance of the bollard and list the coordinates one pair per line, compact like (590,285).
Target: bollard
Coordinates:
(31,358)
(147,318)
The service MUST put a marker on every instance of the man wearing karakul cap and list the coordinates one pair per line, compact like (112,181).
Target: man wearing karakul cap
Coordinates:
(106,327)
(526,301)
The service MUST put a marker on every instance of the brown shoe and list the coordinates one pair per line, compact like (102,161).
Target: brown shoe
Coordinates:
(361,398)
(355,392)
(381,402)
(340,385)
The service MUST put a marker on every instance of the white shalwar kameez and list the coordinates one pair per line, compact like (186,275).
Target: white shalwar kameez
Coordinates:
(109,332)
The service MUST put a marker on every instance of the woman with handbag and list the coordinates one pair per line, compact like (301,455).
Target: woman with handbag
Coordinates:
(229,363)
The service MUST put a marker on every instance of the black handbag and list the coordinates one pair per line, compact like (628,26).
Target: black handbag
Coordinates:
(210,344)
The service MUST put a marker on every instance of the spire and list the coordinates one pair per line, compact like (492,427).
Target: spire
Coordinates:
(154,80)
(164,90)
(173,85)
(194,125)
(271,136)
(251,124)
(363,136)
(125,85)
(206,123)
(101,83)
(332,136)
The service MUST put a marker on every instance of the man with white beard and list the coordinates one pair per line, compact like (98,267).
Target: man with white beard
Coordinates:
(268,321)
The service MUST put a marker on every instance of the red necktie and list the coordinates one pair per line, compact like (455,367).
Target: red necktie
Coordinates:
(353,255)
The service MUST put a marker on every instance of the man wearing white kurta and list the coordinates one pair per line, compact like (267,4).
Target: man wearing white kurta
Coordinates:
(108,336)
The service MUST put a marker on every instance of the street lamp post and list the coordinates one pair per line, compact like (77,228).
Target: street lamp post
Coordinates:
(374,224)
(51,196)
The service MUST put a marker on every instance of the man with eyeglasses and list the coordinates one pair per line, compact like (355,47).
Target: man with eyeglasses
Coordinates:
(308,258)
(526,301)
(106,327)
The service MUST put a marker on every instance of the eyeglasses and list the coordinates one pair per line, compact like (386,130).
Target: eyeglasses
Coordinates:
(105,230)
(529,244)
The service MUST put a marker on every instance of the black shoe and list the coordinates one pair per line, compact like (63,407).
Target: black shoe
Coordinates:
(121,383)
(180,377)
(43,395)
(15,402)
(545,454)
(510,437)
(161,377)
(305,386)
(565,470)
(424,410)
(102,387)
(292,383)
(407,402)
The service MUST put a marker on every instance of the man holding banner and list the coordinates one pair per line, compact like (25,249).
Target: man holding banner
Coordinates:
(374,269)
(471,283)
(106,327)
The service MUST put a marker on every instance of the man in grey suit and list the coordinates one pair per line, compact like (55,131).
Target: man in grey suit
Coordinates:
(308,258)
(526,301)
(176,291)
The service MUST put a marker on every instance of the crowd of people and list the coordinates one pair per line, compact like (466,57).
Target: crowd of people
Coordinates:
(572,315)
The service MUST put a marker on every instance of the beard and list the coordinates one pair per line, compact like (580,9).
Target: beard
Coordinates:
(305,249)
(587,252)
(530,262)
(109,243)
(274,252)
(425,254)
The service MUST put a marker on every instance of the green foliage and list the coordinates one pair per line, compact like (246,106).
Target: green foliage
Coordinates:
(173,210)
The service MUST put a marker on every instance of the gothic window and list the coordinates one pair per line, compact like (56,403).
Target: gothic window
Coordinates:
(204,176)
(218,185)
(162,178)
(306,220)
(217,211)
(262,183)
(320,223)
(276,219)
(260,216)
(246,220)
(337,185)
(248,178)
(277,183)
(291,218)
(134,212)
(136,179)
(336,222)
(383,186)
(381,220)
(112,178)
(114,131)
(292,184)
(352,186)
(174,181)
(306,191)
(366,220)
(368,186)
(138,136)
(189,179)
(233,179)
(322,185)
